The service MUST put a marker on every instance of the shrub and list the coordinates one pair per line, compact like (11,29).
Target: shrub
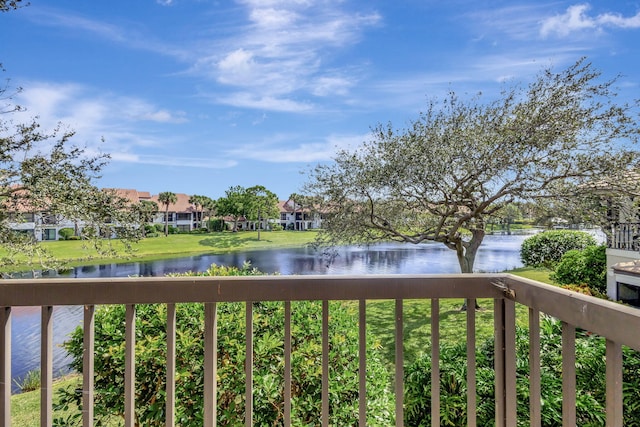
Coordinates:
(66,233)
(545,249)
(275,227)
(588,266)
(216,225)
(590,381)
(268,363)
(159,228)
(149,228)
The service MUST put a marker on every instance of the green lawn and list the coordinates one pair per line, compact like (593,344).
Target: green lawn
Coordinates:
(78,252)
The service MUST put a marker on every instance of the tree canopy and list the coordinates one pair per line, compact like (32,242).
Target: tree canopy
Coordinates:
(43,172)
(463,160)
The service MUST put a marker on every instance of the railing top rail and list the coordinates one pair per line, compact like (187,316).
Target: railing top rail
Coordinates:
(617,322)
(143,290)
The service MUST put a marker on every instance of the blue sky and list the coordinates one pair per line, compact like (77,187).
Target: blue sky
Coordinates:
(195,96)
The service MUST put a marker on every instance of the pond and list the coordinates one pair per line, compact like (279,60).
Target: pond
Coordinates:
(497,253)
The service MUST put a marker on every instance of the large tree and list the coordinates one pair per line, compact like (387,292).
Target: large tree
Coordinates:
(463,160)
(233,204)
(167,198)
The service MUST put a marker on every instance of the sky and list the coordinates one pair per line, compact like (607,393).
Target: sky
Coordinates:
(196,96)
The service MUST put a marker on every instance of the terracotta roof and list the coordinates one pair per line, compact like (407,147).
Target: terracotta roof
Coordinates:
(182,205)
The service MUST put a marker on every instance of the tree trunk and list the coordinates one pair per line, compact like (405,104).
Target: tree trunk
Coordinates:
(166,221)
(466,253)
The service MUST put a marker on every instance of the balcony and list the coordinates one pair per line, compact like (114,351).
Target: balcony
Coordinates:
(618,324)
(625,236)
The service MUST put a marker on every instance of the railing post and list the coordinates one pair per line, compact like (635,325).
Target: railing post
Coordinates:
(46,366)
(505,363)
(614,384)
(399,377)
(5,366)
(210,364)
(171,367)
(435,362)
(88,357)
(129,366)
(248,385)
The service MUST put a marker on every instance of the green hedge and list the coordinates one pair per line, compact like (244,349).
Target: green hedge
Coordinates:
(546,249)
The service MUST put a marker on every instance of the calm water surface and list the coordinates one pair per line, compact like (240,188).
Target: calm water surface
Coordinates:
(497,253)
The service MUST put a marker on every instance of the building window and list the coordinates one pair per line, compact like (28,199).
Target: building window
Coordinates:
(183,216)
(283,216)
(49,234)
(183,228)
(28,217)
(629,294)
(167,217)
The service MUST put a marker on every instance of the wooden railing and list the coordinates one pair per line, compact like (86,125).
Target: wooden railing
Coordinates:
(618,324)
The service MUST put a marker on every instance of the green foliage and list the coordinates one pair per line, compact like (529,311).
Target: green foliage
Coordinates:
(275,226)
(216,225)
(590,381)
(30,382)
(547,248)
(587,266)
(66,233)
(159,228)
(268,324)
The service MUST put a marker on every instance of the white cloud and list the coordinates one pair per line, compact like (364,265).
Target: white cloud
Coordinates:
(122,122)
(576,19)
(282,53)
(270,103)
(287,148)
(192,162)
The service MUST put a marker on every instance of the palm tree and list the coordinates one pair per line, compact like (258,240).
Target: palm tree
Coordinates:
(167,198)
(197,202)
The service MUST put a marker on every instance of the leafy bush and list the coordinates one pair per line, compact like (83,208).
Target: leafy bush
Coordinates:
(150,228)
(66,233)
(268,363)
(588,266)
(546,249)
(276,227)
(590,381)
(216,225)
(159,228)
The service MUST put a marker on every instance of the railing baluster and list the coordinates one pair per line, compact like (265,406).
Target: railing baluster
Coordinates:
(568,374)
(5,366)
(129,366)
(325,363)
(471,362)
(46,366)
(535,409)
(435,362)
(248,384)
(88,357)
(499,361)
(399,377)
(614,384)
(362,364)
(210,364)
(511,399)
(287,363)
(171,366)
